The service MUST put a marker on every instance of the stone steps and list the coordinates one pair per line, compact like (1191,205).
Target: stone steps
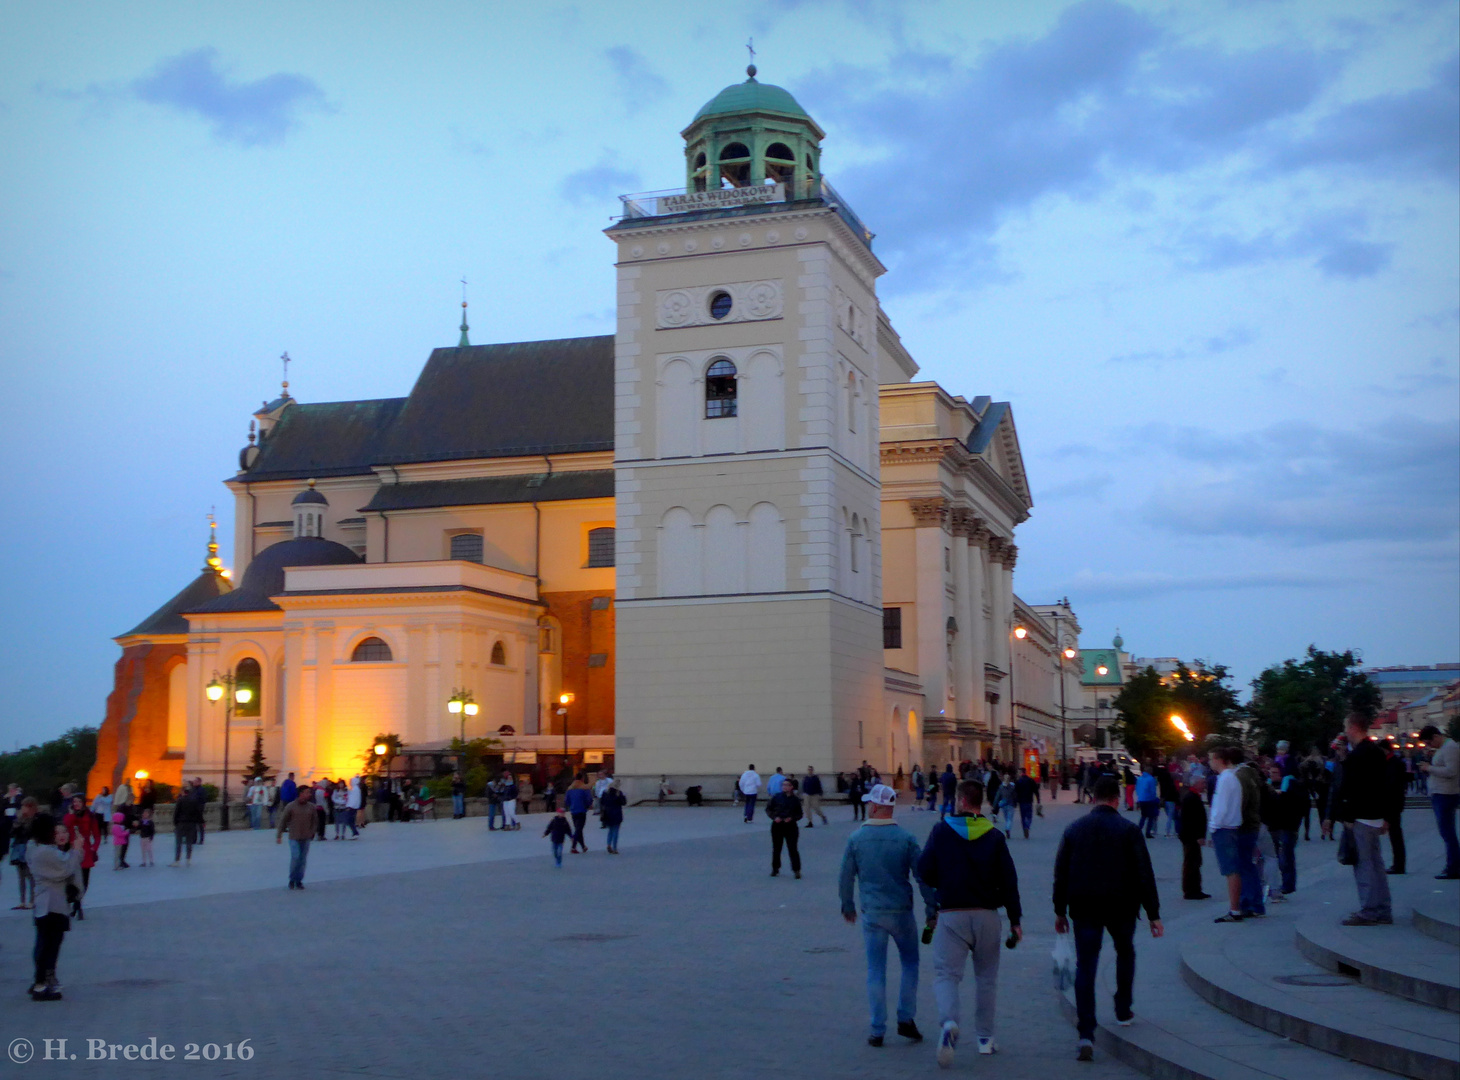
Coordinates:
(1392,959)
(1207,1044)
(1437,915)
(1279,991)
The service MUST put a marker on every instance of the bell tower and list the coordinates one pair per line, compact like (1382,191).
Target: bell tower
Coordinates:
(748,503)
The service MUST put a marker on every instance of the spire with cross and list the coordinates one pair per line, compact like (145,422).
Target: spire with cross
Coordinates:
(465,341)
(287,362)
(750,48)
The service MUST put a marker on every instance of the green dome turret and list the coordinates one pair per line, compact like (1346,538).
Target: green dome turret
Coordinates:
(753,133)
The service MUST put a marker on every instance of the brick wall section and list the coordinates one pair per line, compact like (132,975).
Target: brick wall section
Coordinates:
(134,734)
(587,632)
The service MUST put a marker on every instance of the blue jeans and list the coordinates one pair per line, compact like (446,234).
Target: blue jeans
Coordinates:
(1150,816)
(947,802)
(493,809)
(613,836)
(749,807)
(1247,869)
(255,816)
(1287,856)
(1089,936)
(298,856)
(1008,817)
(1445,806)
(877,927)
(558,851)
(1026,816)
(1173,819)
(458,805)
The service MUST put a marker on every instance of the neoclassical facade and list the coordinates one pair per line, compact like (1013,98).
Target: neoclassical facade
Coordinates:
(736,530)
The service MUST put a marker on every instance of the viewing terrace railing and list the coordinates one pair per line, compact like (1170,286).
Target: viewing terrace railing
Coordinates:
(673,201)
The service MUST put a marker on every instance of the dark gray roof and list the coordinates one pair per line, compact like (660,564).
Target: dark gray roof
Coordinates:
(265,574)
(526,397)
(168,618)
(477,401)
(309,495)
(485,490)
(331,438)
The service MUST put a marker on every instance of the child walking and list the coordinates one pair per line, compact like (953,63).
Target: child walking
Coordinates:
(559,828)
(120,836)
(146,830)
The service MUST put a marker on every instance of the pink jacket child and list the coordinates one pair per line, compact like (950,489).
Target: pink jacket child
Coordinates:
(120,834)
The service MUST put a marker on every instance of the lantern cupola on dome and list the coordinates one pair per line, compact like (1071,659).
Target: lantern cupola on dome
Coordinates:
(309,509)
(753,133)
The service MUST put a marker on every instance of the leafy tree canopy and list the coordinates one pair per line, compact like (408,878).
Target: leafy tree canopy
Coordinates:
(1306,701)
(1199,695)
(39,770)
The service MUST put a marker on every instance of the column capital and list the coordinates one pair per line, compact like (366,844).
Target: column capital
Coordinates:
(1011,554)
(962,520)
(929,512)
(996,545)
(979,534)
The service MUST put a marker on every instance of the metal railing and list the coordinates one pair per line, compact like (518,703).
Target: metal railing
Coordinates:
(676,201)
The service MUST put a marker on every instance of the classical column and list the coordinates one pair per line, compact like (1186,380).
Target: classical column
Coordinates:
(960,522)
(978,630)
(1010,555)
(930,517)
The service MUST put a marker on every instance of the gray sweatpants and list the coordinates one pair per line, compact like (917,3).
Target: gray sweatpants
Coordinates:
(959,933)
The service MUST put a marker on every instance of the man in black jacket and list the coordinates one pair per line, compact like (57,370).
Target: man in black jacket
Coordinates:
(1359,801)
(1396,784)
(967,861)
(1192,832)
(1102,879)
(784,810)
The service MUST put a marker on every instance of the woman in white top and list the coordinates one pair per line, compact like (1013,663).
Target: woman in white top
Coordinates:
(340,800)
(53,870)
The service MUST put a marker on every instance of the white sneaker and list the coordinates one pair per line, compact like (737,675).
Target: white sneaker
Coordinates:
(987,1045)
(947,1043)
(1127,1022)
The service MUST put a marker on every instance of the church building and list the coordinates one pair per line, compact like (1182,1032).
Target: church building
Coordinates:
(737,530)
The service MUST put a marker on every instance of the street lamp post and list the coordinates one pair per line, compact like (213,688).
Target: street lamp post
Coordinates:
(461,703)
(1020,633)
(564,700)
(216,689)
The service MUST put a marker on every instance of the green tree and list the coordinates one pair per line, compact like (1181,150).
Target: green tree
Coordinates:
(379,763)
(41,769)
(1306,701)
(1200,695)
(257,764)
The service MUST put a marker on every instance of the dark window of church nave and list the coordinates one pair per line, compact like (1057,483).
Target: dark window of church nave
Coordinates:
(892,628)
(600,547)
(372,651)
(499,654)
(467,547)
(720,390)
(248,675)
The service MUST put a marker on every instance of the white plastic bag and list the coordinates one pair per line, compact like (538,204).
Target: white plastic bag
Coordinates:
(1064,961)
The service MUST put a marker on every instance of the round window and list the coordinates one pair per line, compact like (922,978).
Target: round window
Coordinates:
(720,305)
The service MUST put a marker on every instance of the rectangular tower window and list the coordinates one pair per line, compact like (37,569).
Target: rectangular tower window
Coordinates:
(892,628)
(600,547)
(467,547)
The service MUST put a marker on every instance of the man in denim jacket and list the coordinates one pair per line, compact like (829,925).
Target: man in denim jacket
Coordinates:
(882,857)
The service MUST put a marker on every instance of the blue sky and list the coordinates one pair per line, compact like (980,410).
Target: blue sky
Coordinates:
(1207,250)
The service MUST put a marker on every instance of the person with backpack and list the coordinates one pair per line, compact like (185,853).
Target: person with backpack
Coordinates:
(1102,880)
(967,861)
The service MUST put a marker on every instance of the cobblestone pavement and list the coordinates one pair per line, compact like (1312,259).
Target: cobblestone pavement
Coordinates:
(441,950)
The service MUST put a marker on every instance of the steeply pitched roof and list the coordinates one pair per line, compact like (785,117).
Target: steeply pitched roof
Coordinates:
(168,618)
(526,397)
(477,401)
(485,490)
(328,438)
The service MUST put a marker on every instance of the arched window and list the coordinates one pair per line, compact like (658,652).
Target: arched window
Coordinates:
(781,151)
(735,165)
(733,151)
(371,651)
(467,547)
(856,540)
(720,390)
(248,675)
(852,402)
(499,654)
(600,547)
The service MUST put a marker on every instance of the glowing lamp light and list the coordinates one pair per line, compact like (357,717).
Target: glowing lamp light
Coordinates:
(243,695)
(381,749)
(565,699)
(1021,633)
(1102,670)
(454,706)
(141,774)
(1180,725)
(470,708)
(1069,654)
(214,690)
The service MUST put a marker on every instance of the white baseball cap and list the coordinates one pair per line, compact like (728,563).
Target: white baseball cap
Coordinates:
(882,795)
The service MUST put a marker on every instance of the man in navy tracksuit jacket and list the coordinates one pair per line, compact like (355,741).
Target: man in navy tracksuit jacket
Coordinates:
(967,861)
(1102,879)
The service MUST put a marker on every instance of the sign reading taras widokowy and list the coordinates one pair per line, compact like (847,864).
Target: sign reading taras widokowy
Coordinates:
(722,198)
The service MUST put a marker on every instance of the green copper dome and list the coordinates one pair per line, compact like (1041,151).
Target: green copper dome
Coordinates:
(749,97)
